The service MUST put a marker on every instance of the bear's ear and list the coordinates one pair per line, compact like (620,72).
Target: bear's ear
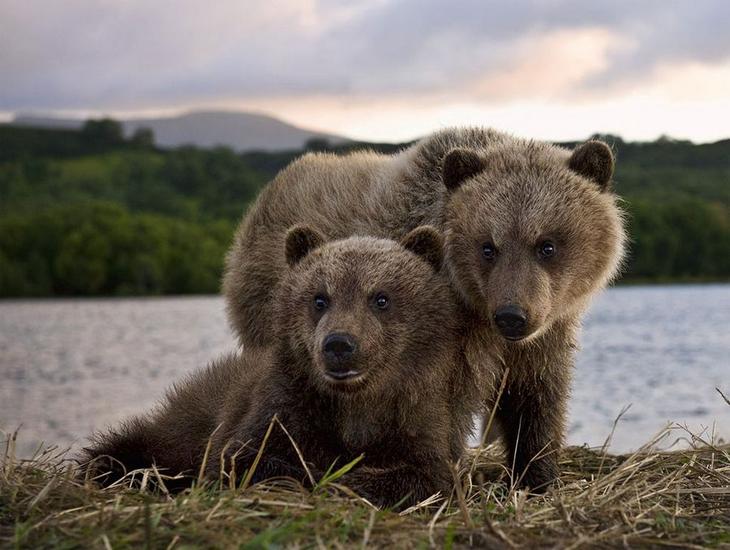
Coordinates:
(593,160)
(460,164)
(426,242)
(300,241)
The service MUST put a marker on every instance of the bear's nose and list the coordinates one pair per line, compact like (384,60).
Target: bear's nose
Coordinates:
(338,349)
(511,321)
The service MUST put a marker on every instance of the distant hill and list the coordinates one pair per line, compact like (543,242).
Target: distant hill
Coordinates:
(47,122)
(240,131)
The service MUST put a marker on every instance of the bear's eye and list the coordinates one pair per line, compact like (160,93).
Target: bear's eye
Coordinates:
(489,251)
(546,249)
(381,301)
(320,302)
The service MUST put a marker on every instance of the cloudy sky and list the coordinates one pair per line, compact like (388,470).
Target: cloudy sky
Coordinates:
(380,69)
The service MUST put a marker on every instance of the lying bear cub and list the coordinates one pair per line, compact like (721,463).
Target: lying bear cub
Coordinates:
(367,360)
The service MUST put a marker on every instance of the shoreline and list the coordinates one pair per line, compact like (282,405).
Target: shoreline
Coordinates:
(192,296)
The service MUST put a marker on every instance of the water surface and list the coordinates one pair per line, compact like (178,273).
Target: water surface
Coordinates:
(68,367)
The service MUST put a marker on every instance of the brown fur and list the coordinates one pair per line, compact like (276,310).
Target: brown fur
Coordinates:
(475,185)
(399,414)
(523,197)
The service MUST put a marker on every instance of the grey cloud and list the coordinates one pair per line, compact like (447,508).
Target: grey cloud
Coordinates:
(82,54)
(664,31)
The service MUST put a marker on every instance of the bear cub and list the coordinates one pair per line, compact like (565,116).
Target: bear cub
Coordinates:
(367,360)
(532,232)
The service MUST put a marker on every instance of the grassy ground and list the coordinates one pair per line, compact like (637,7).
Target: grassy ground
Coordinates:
(650,498)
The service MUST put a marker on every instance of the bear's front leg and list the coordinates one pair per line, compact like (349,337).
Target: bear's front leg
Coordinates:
(403,485)
(237,454)
(532,412)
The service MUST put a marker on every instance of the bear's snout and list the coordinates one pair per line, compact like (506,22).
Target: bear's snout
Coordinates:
(339,350)
(511,320)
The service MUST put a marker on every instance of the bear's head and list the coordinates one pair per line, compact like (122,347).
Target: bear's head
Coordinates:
(532,231)
(367,316)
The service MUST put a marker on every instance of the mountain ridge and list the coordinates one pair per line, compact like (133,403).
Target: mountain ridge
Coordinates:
(239,130)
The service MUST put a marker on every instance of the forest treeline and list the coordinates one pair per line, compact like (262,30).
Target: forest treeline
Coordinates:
(91,212)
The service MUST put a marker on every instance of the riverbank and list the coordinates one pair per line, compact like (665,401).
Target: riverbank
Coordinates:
(623,282)
(647,498)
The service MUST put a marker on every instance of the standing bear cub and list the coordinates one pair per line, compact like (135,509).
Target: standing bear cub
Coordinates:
(366,359)
(532,232)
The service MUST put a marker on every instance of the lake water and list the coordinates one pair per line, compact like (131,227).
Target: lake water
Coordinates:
(68,367)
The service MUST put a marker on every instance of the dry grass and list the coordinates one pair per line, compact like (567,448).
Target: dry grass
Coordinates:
(649,498)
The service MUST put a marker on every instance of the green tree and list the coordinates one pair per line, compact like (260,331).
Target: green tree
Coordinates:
(143,138)
(82,261)
(103,131)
